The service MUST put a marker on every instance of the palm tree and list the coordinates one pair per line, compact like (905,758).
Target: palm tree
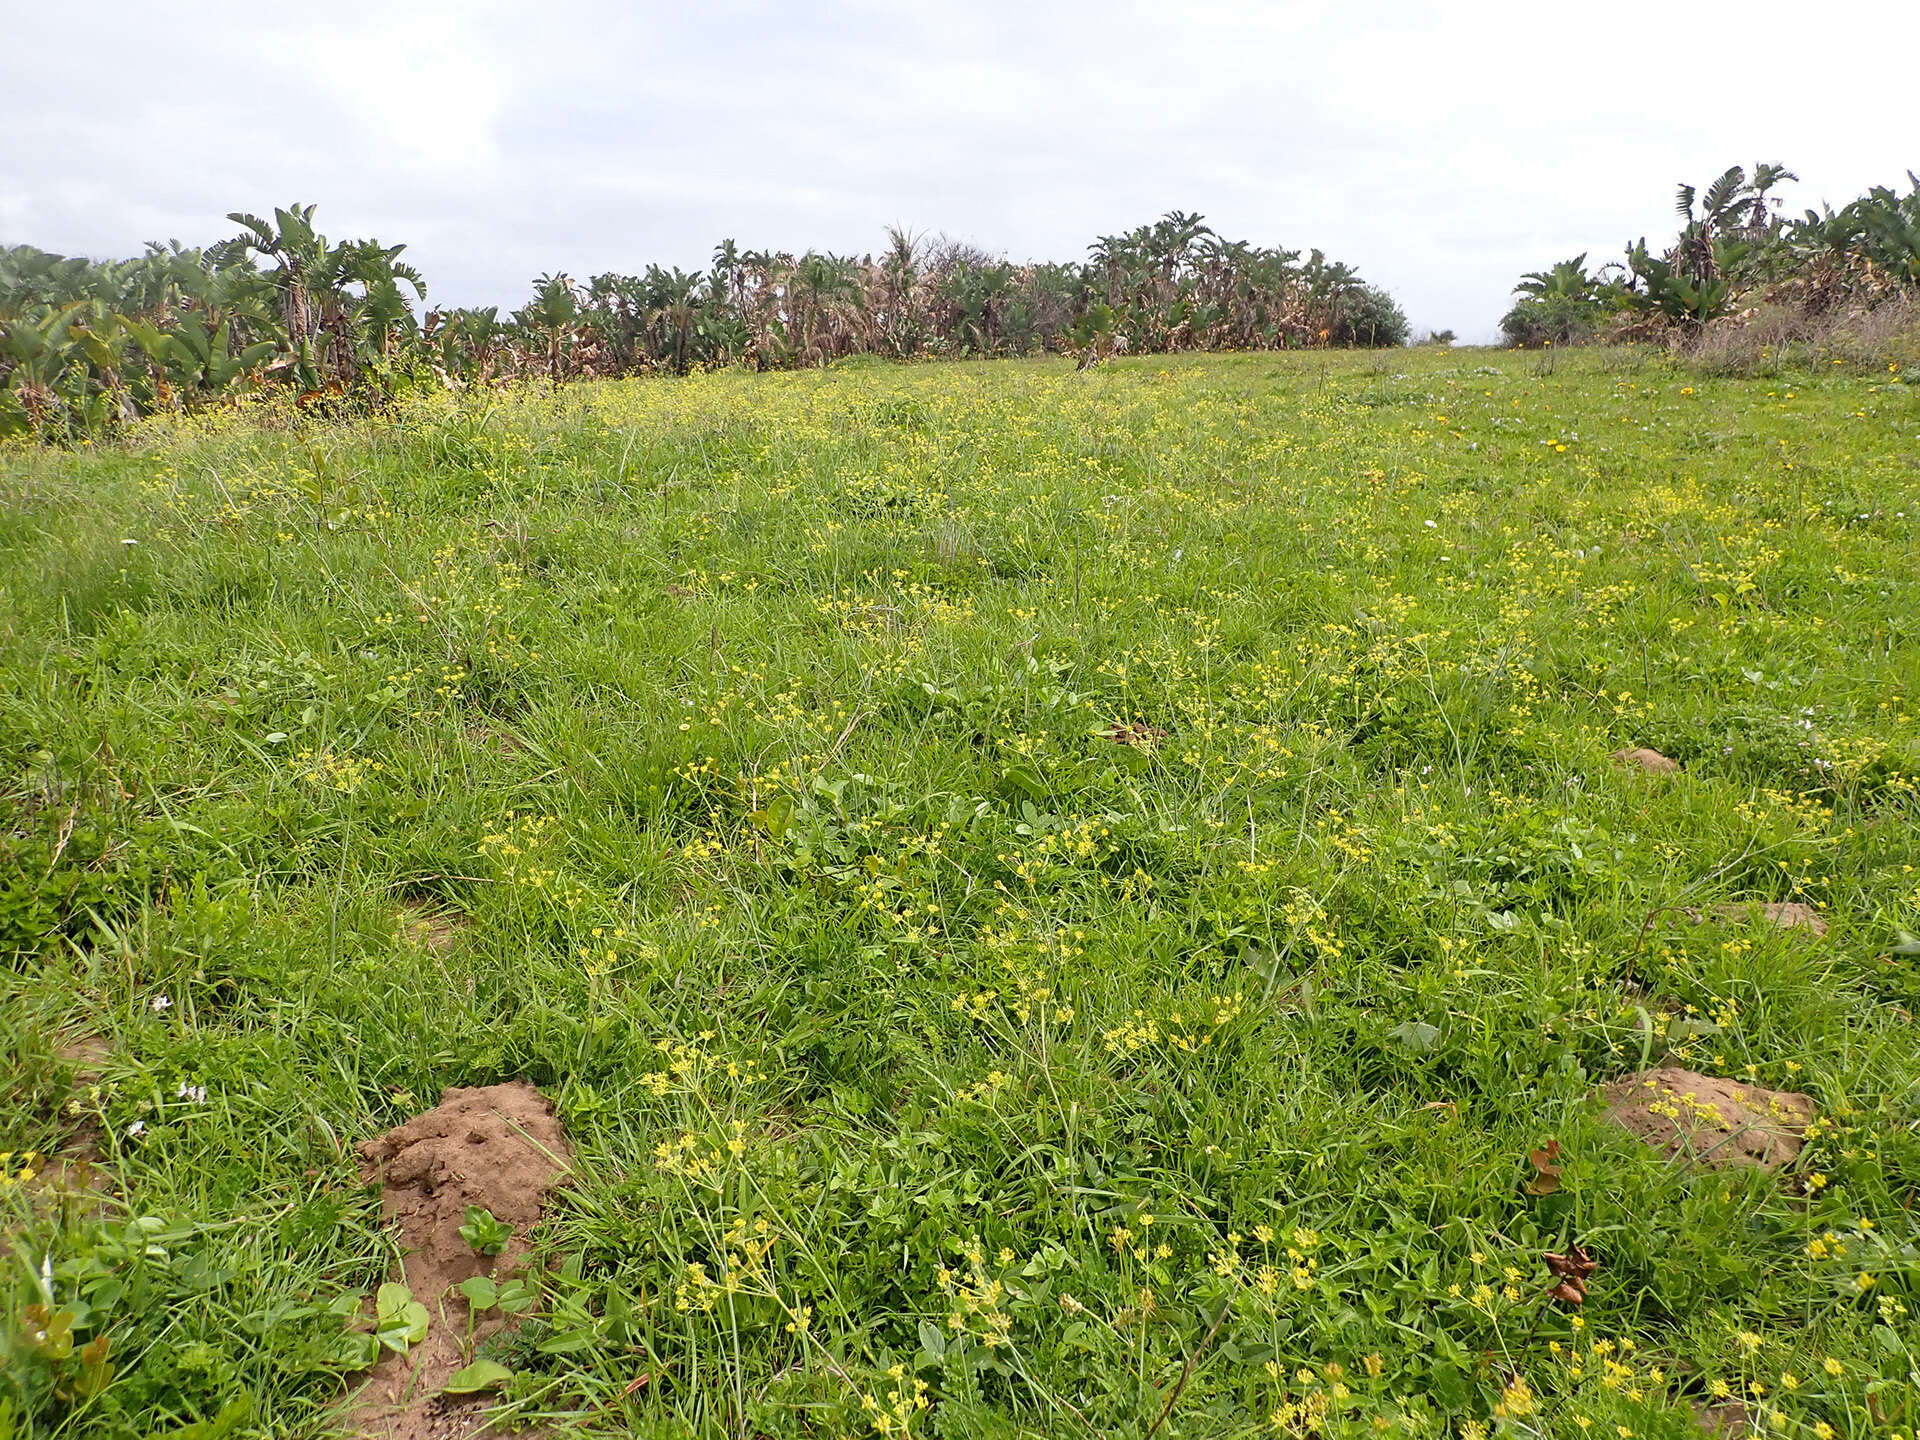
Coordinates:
(298,252)
(1567,280)
(552,317)
(674,296)
(383,316)
(823,289)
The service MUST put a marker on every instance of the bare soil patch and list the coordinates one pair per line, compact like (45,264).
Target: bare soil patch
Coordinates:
(1651,761)
(1710,1122)
(80,1150)
(497,1146)
(424,924)
(1725,1421)
(88,1055)
(1790,915)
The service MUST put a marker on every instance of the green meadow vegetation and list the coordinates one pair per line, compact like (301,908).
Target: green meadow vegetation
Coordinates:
(1047,902)
(86,345)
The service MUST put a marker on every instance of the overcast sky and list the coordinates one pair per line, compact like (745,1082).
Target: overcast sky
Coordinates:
(1441,148)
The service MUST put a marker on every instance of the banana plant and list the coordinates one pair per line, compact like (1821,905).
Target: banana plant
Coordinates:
(49,379)
(40,349)
(382,319)
(552,317)
(203,358)
(1567,280)
(1883,229)
(297,250)
(1659,283)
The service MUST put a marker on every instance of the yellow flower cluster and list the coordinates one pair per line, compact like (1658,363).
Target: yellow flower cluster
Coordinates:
(1187,1030)
(521,848)
(335,771)
(27,1168)
(895,1413)
(978,1297)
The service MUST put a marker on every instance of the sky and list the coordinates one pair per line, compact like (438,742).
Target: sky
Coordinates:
(1442,148)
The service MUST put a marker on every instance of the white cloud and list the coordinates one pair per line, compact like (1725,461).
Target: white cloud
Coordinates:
(417,87)
(1441,147)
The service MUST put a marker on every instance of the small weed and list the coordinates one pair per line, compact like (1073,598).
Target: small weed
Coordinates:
(485,1234)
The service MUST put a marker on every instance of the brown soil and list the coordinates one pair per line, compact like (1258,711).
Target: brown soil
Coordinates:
(1710,1122)
(498,1146)
(88,1055)
(1652,761)
(502,740)
(1789,916)
(1725,1421)
(80,1150)
(429,928)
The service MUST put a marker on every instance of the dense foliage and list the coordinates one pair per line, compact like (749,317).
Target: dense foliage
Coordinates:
(85,344)
(1735,249)
(1049,904)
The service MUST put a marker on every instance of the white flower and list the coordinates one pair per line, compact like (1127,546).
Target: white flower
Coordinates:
(162,1002)
(137,1129)
(195,1093)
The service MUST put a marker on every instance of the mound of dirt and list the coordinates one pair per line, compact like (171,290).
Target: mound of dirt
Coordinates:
(1791,915)
(1725,1421)
(1651,761)
(426,927)
(1710,1122)
(497,1146)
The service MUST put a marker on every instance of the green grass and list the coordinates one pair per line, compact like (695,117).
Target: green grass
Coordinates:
(756,732)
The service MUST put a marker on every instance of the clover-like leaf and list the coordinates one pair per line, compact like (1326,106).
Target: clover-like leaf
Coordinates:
(1416,1035)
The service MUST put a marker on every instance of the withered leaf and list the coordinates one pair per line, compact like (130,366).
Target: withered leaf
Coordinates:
(1546,1173)
(1576,1264)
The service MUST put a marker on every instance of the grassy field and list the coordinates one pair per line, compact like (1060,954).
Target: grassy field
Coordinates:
(1046,903)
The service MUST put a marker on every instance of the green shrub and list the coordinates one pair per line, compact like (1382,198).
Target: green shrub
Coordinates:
(1369,318)
(1553,320)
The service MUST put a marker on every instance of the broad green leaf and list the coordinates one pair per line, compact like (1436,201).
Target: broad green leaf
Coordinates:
(390,1300)
(400,1320)
(480,1375)
(232,1416)
(516,1297)
(1416,1035)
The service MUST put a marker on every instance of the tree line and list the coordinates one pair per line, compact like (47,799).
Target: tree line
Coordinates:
(86,345)
(1736,250)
